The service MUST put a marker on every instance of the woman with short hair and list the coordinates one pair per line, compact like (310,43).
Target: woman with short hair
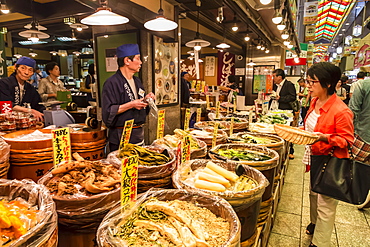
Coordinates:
(49,86)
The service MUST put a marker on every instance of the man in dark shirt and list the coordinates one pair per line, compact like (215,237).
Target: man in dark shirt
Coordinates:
(344,80)
(185,89)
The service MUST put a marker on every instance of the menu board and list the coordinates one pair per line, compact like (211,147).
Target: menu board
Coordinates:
(165,72)
(262,78)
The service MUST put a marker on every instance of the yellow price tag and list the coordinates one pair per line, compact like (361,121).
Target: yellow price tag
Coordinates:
(203,86)
(215,130)
(198,86)
(61,145)
(232,126)
(185,149)
(129,176)
(160,125)
(234,102)
(126,133)
(250,117)
(187,119)
(199,114)
(218,110)
(207,100)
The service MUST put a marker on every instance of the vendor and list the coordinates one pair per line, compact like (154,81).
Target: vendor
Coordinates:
(123,98)
(16,89)
(49,86)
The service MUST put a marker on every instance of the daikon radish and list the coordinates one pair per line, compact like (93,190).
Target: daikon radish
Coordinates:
(205,185)
(222,171)
(214,179)
(209,171)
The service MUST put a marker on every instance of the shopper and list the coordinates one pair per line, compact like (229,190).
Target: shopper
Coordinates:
(331,120)
(360,77)
(360,106)
(185,89)
(345,85)
(124,98)
(340,91)
(37,76)
(234,85)
(49,86)
(87,84)
(15,89)
(304,97)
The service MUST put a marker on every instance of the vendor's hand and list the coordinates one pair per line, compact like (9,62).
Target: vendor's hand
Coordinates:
(150,95)
(138,104)
(38,115)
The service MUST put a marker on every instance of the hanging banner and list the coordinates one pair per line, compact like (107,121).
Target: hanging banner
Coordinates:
(160,124)
(226,67)
(126,133)
(210,66)
(290,60)
(362,57)
(310,13)
(129,176)
(310,33)
(5,106)
(3,69)
(61,145)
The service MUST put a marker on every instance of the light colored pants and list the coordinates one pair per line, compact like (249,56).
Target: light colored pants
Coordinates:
(322,213)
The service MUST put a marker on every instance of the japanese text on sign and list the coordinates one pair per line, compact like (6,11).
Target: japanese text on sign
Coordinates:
(187,119)
(5,106)
(199,113)
(218,110)
(61,145)
(160,126)
(185,155)
(126,133)
(215,131)
(129,176)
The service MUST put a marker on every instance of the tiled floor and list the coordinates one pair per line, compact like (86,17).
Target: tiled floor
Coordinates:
(352,226)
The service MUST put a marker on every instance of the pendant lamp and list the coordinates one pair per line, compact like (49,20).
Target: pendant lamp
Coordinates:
(197,42)
(33,34)
(104,16)
(79,26)
(160,23)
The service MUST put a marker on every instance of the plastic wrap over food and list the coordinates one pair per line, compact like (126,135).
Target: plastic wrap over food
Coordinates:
(183,179)
(4,157)
(44,233)
(154,171)
(83,205)
(260,165)
(106,235)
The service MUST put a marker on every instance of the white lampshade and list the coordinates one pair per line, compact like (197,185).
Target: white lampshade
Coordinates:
(104,16)
(18,55)
(286,42)
(32,54)
(78,26)
(62,53)
(281,26)
(54,53)
(223,45)
(77,53)
(197,42)
(267,51)
(277,17)
(265,2)
(4,9)
(160,23)
(247,38)
(285,35)
(251,63)
(290,46)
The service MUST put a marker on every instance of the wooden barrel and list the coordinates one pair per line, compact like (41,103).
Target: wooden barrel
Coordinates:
(29,159)
(90,145)
(75,239)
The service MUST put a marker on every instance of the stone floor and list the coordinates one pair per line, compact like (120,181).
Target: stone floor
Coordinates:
(352,226)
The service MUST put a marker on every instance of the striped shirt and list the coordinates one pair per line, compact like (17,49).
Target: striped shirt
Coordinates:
(310,126)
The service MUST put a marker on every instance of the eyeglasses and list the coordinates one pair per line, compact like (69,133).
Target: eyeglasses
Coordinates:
(311,82)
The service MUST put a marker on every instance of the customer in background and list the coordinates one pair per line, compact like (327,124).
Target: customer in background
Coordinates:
(360,106)
(304,97)
(340,91)
(49,86)
(185,89)
(234,85)
(360,77)
(331,120)
(88,82)
(37,76)
(16,89)
(345,85)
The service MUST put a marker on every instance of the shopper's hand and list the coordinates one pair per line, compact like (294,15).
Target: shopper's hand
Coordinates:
(150,95)
(322,137)
(38,115)
(138,104)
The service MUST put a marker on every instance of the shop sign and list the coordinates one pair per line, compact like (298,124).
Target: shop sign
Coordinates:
(126,133)
(362,57)
(355,45)
(199,114)
(215,131)
(160,124)
(232,126)
(210,66)
(310,12)
(310,33)
(61,145)
(290,60)
(185,154)
(129,176)
(347,51)
(5,106)
(226,67)
(187,119)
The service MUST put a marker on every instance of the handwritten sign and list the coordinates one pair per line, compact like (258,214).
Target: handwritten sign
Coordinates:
(207,100)
(61,145)
(234,102)
(5,106)
(129,176)
(199,114)
(160,125)
(179,153)
(126,133)
(185,155)
(187,119)
(215,130)
(218,110)
(232,126)
(198,83)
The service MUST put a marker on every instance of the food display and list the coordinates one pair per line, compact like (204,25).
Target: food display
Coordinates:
(205,124)
(272,119)
(262,128)
(295,135)
(83,178)
(253,139)
(206,135)
(172,218)
(16,120)
(243,155)
(146,157)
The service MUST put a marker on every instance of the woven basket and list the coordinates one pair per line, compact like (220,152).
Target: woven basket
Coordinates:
(295,135)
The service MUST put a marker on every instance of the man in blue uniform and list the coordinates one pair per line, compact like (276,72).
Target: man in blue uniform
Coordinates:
(16,89)
(123,98)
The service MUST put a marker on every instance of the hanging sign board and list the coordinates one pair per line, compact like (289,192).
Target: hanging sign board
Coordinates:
(129,176)
(61,145)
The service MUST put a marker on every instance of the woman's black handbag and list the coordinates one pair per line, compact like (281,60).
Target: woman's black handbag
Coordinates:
(346,180)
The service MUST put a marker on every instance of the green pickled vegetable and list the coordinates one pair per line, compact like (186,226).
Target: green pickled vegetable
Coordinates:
(243,155)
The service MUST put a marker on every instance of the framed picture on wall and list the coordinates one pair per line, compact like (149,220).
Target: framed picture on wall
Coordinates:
(165,67)
(262,78)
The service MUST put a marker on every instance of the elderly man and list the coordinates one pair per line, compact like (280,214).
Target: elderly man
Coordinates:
(124,98)
(16,89)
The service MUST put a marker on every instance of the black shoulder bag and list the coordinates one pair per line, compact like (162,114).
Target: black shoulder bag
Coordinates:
(345,179)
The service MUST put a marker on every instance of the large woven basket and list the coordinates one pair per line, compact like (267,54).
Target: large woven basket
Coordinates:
(295,135)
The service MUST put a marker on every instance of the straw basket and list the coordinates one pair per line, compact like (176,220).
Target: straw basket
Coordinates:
(295,135)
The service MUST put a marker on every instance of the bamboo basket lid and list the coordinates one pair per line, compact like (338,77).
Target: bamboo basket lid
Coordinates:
(295,135)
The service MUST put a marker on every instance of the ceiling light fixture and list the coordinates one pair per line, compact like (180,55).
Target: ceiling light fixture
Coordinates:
(79,26)
(33,34)
(17,55)
(281,26)
(32,54)
(220,14)
(277,17)
(265,2)
(285,35)
(69,20)
(104,16)
(286,43)
(77,53)
(235,26)
(267,51)
(197,43)
(247,38)
(4,8)
(62,53)
(290,46)
(251,63)
(54,53)
(223,45)
(160,23)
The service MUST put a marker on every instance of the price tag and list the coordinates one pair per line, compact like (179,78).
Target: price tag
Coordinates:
(215,130)
(203,86)
(129,176)
(187,119)
(185,149)
(232,126)
(234,102)
(160,125)
(61,145)
(250,115)
(126,133)
(179,153)
(5,106)
(207,100)
(199,114)
(198,86)
(218,110)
